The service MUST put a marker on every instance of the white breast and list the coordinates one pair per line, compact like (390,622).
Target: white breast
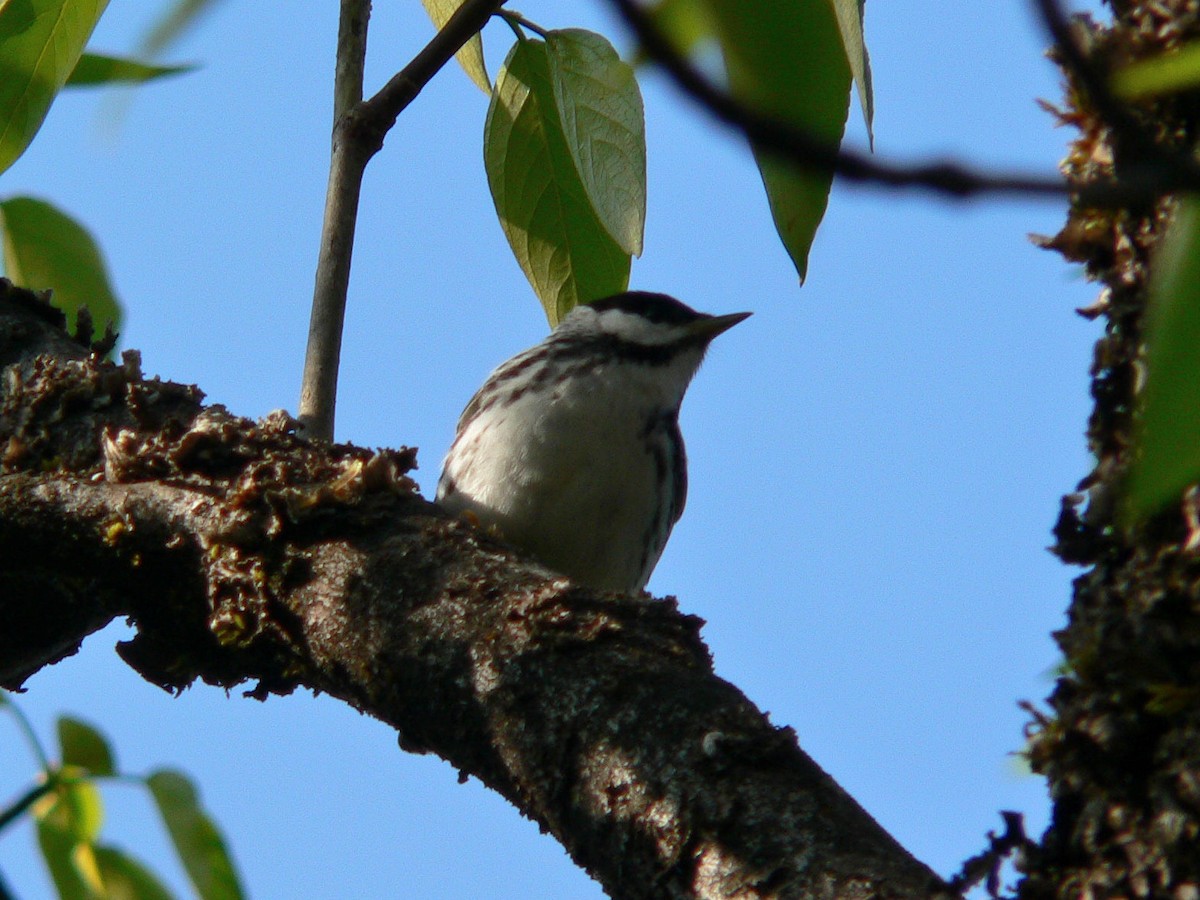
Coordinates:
(568,477)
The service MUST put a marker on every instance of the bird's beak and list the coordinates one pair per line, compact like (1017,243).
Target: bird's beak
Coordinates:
(709,328)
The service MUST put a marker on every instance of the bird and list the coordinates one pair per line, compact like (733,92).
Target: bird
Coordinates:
(571,450)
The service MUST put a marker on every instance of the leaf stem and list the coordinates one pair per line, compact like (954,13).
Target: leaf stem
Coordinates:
(27,729)
(26,800)
(516,22)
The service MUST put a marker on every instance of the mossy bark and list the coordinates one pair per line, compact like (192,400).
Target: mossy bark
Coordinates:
(1121,747)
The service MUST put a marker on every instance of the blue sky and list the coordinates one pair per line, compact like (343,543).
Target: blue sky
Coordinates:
(876,458)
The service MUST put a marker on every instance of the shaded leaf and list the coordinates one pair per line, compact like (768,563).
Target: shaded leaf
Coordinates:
(95,69)
(125,878)
(788,60)
(72,864)
(850,23)
(174,24)
(564,250)
(82,745)
(46,248)
(1167,459)
(600,107)
(1175,70)
(685,23)
(470,56)
(40,43)
(196,838)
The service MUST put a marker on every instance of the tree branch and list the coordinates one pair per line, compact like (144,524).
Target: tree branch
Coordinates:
(351,59)
(380,112)
(348,161)
(242,552)
(358,133)
(1118,745)
(1165,172)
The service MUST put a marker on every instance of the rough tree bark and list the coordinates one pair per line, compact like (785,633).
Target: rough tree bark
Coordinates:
(241,552)
(1122,747)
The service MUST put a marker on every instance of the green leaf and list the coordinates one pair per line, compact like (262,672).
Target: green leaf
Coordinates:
(1175,70)
(40,43)
(173,24)
(470,57)
(74,807)
(196,838)
(46,248)
(125,878)
(850,23)
(84,746)
(600,107)
(685,23)
(788,60)
(97,69)
(72,863)
(1167,449)
(566,253)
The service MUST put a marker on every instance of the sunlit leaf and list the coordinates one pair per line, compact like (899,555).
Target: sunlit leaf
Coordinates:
(1175,70)
(788,60)
(600,107)
(74,807)
(1167,457)
(82,745)
(850,24)
(125,878)
(470,56)
(46,248)
(564,250)
(40,43)
(71,863)
(95,69)
(169,28)
(196,838)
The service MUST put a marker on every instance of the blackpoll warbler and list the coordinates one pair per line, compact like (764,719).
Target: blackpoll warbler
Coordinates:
(571,450)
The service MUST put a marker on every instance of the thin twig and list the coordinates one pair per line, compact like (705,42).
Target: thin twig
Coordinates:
(986,866)
(17,808)
(379,113)
(359,129)
(810,152)
(318,391)
(949,178)
(351,56)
